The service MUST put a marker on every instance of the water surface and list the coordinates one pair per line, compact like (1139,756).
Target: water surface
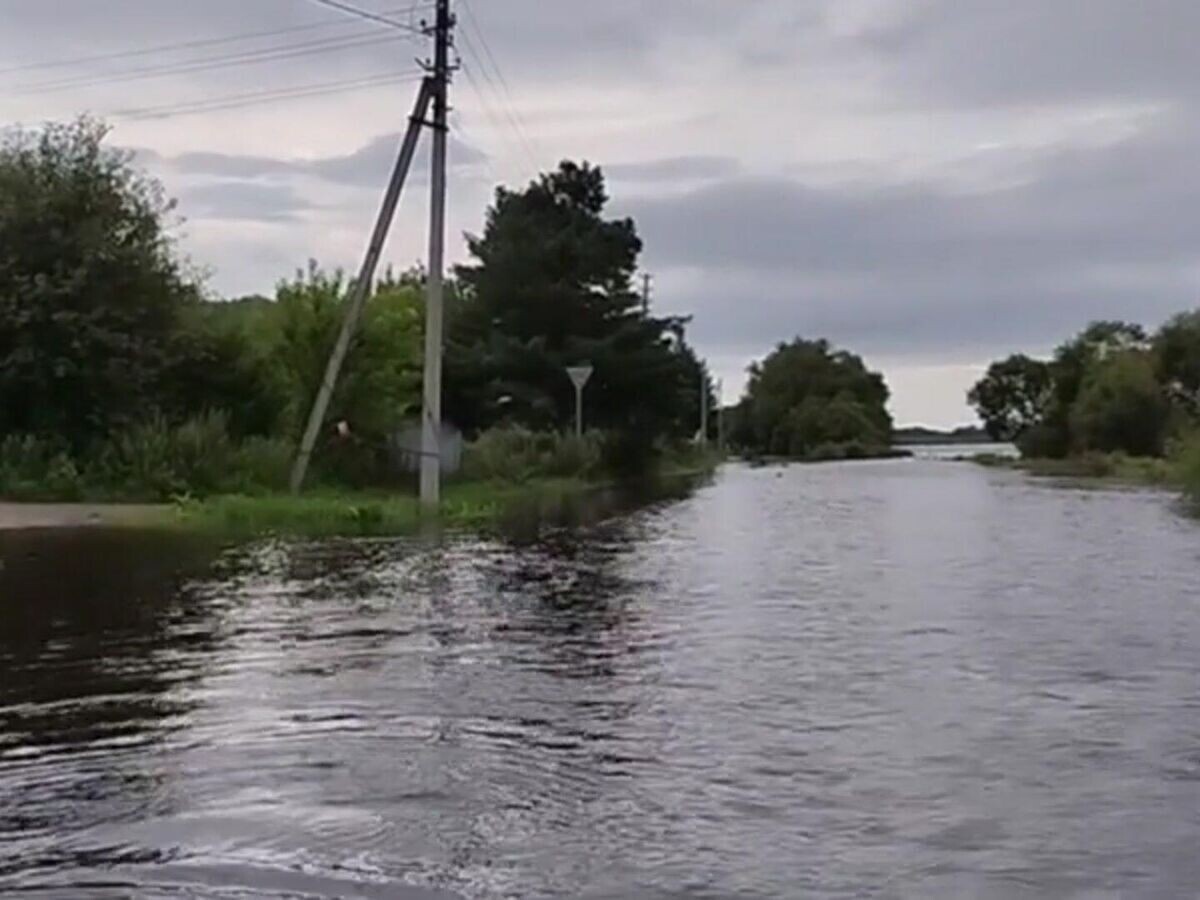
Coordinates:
(892,679)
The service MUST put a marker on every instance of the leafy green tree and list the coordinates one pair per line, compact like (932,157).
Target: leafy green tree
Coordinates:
(551,287)
(380,381)
(694,377)
(805,395)
(90,290)
(1013,396)
(1177,348)
(1121,406)
(819,424)
(1073,361)
(217,364)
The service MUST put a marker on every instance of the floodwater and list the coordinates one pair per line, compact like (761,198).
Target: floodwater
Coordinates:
(951,452)
(887,680)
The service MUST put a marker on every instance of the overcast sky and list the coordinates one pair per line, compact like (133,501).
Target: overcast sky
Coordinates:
(930,183)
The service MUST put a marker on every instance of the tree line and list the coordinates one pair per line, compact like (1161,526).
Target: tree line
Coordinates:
(119,372)
(1113,388)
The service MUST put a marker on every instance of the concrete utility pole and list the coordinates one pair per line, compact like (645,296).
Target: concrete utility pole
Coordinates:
(362,286)
(431,416)
(647,280)
(720,416)
(704,408)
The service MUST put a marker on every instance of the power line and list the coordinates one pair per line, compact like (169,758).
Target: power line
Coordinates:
(493,117)
(252,57)
(502,120)
(188,45)
(254,98)
(456,121)
(511,109)
(369,16)
(385,20)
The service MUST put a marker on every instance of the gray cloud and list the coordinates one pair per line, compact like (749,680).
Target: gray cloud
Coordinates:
(913,178)
(674,168)
(533,39)
(919,268)
(1051,51)
(243,200)
(366,167)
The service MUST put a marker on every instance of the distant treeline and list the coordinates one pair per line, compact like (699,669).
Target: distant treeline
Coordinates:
(917,436)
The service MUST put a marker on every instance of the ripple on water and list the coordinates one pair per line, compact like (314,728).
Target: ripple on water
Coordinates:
(887,680)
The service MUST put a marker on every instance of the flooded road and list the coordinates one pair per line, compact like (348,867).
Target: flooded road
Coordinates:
(901,679)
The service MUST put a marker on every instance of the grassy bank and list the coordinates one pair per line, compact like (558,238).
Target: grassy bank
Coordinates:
(477,504)
(204,479)
(481,498)
(372,512)
(1114,467)
(1187,471)
(1179,470)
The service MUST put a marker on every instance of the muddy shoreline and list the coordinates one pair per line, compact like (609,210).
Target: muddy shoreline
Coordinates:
(20,516)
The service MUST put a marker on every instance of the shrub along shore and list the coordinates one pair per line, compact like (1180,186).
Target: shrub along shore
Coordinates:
(202,479)
(507,473)
(1116,401)
(1178,470)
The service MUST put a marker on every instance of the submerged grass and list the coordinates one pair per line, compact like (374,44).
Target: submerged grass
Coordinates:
(356,513)
(1113,467)
(1187,460)
(210,484)
(1179,470)
(465,503)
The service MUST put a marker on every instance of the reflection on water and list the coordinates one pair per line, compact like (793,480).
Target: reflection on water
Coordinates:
(93,631)
(879,679)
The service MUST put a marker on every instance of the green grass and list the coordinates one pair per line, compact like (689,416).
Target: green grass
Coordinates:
(1179,470)
(1186,455)
(465,503)
(1113,467)
(371,512)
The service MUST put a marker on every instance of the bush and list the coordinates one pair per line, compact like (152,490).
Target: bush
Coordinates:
(629,454)
(1044,441)
(157,461)
(832,429)
(261,465)
(1185,454)
(203,452)
(841,450)
(153,460)
(687,457)
(63,479)
(1122,408)
(33,468)
(138,462)
(576,456)
(516,454)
